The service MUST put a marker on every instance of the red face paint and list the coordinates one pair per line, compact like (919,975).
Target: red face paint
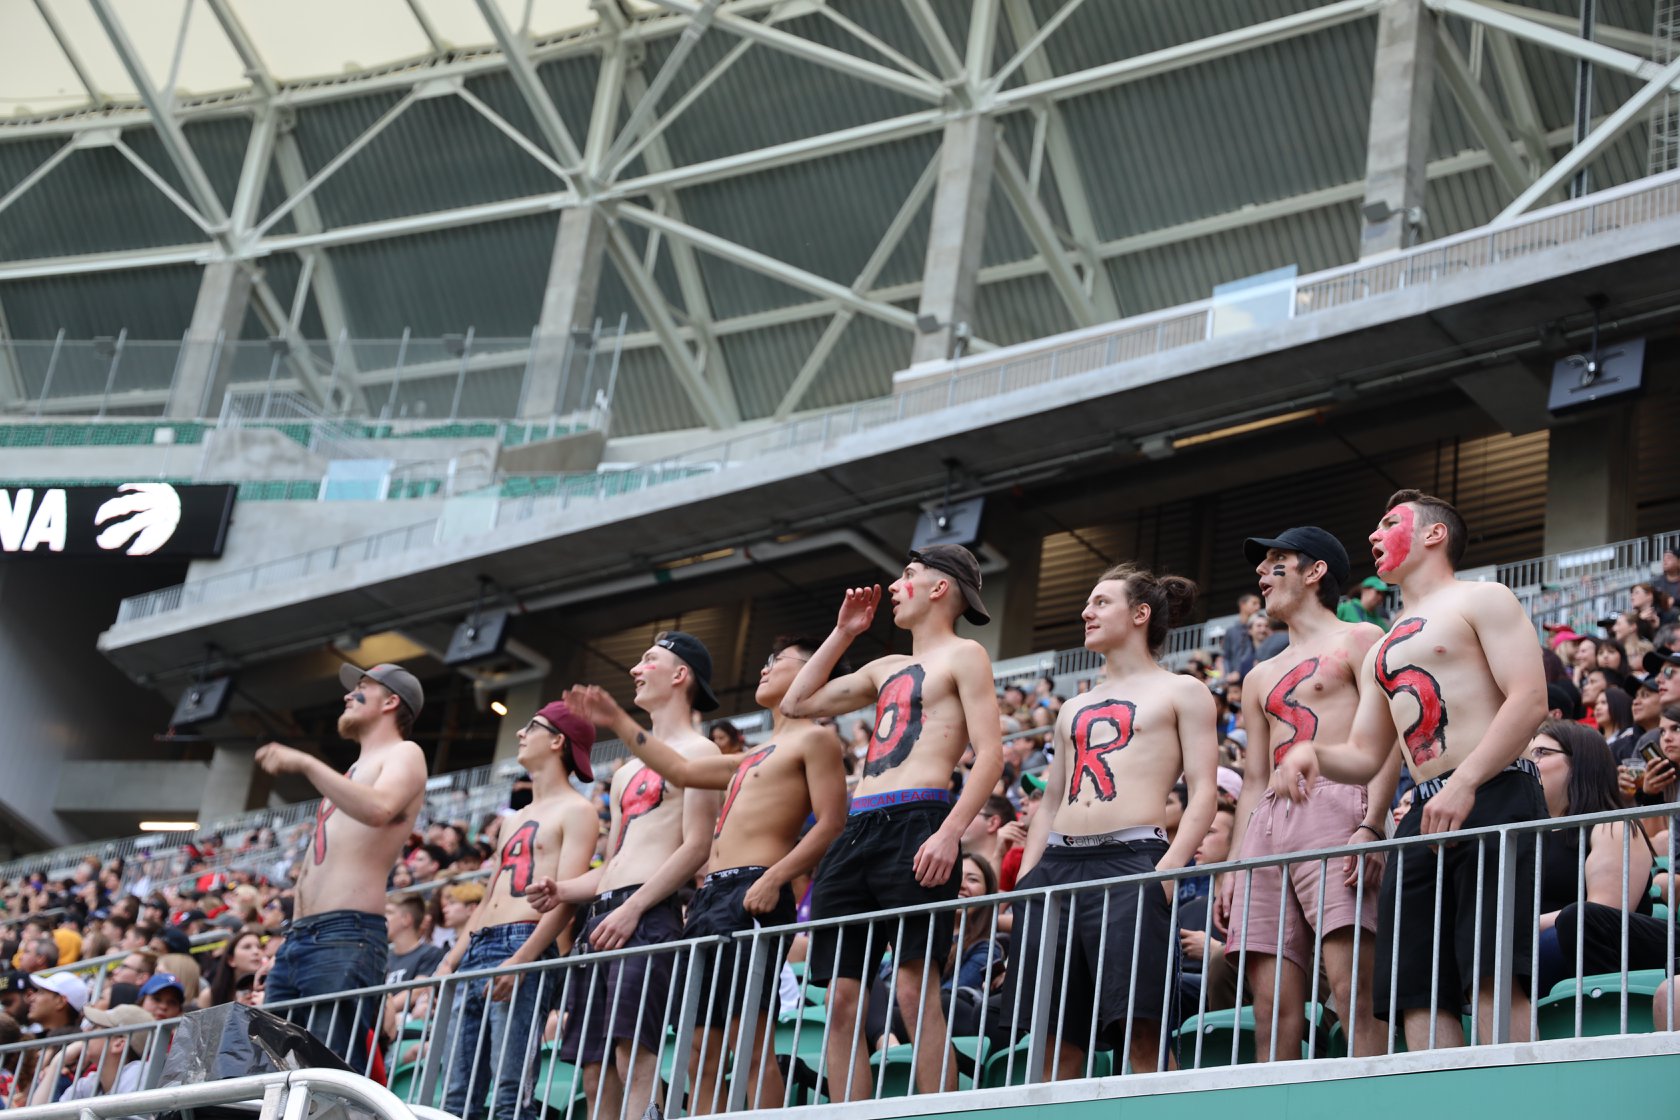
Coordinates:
(1394,541)
(1282,706)
(1089,761)
(909,591)
(1426,738)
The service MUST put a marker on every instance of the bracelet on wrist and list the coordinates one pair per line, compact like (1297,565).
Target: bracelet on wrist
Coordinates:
(1371,828)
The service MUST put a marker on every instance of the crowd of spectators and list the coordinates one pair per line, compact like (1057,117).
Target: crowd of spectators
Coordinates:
(200,926)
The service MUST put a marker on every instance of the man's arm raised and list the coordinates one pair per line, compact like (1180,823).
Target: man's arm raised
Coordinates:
(812,695)
(825,785)
(1354,762)
(1513,657)
(378,804)
(598,706)
(973,673)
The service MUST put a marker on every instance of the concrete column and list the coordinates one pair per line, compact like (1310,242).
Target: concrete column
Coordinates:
(522,702)
(1591,466)
(1397,146)
(201,375)
(230,783)
(574,276)
(956,233)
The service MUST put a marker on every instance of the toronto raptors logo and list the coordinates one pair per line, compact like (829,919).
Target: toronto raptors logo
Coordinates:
(642,795)
(1091,758)
(322,812)
(755,759)
(1282,706)
(519,855)
(898,720)
(1426,738)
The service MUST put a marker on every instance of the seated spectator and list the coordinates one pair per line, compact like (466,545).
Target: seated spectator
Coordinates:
(241,957)
(458,900)
(171,939)
(163,996)
(727,736)
(36,953)
(1634,634)
(409,957)
(184,967)
(1578,775)
(1652,605)
(1655,785)
(1596,681)
(1012,837)
(56,1001)
(1368,606)
(1202,957)
(1563,701)
(1613,713)
(137,936)
(1176,797)
(984,837)
(136,968)
(112,1062)
(14,1001)
(1613,657)
(428,862)
(1583,660)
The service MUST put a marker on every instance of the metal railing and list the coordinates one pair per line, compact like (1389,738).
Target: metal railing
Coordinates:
(290,1094)
(1012,1022)
(1029,366)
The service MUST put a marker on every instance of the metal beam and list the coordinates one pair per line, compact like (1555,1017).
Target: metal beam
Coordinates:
(1519,96)
(1064,160)
(1020,21)
(758,262)
(839,61)
(1479,111)
(1595,142)
(1625,39)
(1187,54)
(1045,239)
(71,55)
(932,33)
(645,291)
(1397,142)
(956,234)
(1595,52)
(169,133)
(842,318)
(647,100)
(525,79)
(982,43)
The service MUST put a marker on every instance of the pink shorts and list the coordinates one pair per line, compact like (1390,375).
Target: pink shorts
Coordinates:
(1325,820)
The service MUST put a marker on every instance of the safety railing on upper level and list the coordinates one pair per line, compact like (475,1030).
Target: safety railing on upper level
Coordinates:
(1094,966)
(270,1096)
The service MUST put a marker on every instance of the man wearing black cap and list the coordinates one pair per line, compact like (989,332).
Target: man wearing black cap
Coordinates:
(1459,682)
(555,835)
(758,849)
(336,941)
(658,840)
(1310,690)
(902,836)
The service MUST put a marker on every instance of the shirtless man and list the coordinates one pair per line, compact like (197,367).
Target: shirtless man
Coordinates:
(335,941)
(902,836)
(1119,749)
(1458,679)
(556,833)
(757,851)
(659,838)
(1309,690)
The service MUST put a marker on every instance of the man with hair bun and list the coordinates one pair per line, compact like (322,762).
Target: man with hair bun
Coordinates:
(1119,749)
(1458,681)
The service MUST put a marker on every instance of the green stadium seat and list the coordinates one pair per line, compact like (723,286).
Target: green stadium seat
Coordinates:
(1215,1027)
(1601,1010)
(997,1072)
(897,1078)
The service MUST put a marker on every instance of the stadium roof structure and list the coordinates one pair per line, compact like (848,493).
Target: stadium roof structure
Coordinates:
(783,199)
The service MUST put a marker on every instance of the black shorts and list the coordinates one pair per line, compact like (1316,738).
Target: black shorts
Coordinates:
(1137,914)
(719,910)
(1507,797)
(870,868)
(605,1000)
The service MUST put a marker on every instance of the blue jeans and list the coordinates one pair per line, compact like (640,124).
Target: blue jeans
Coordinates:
(325,954)
(485,1051)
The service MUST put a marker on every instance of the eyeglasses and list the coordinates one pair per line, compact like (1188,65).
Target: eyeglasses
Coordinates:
(538,725)
(1538,753)
(770,662)
(1669,672)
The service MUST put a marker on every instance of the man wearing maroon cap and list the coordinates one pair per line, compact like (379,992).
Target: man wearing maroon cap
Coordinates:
(553,835)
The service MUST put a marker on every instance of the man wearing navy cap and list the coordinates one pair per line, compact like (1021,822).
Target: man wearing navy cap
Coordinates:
(336,940)
(555,835)
(1309,690)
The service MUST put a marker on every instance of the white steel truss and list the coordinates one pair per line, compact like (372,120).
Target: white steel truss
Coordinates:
(634,114)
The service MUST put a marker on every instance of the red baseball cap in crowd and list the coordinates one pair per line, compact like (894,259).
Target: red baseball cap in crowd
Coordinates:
(579,733)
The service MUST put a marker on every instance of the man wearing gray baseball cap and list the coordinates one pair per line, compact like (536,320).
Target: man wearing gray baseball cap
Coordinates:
(336,939)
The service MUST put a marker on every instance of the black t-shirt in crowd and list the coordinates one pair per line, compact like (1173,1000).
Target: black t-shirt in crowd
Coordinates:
(417,962)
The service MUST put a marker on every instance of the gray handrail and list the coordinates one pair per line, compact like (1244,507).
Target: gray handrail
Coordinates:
(271,1089)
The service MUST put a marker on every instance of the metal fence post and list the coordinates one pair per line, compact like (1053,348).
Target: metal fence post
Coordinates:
(1504,934)
(390,408)
(1043,986)
(742,1074)
(111,376)
(461,377)
(683,1044)
(52,367)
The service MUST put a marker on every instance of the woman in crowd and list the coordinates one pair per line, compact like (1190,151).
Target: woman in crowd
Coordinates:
(240,959)
(1652,605)
(1635,635)
(728,737)
(1613,715)
(1578,775)
(1612,656)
